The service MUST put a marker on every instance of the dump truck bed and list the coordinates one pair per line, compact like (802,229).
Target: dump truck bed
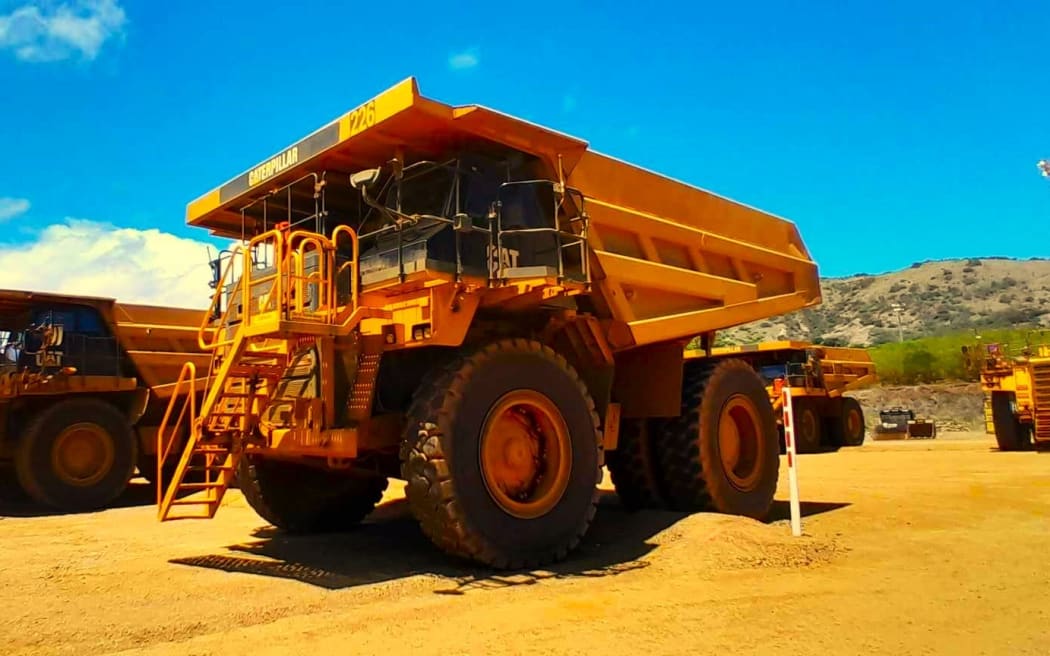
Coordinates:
(159,340)
(669,260)
(843,368)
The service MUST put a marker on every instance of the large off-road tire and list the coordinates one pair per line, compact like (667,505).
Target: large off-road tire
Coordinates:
(851,423)
(1010,434)
(808,425)
(502,456)
(722,452)
(76,455)
(633,466)
(297,498)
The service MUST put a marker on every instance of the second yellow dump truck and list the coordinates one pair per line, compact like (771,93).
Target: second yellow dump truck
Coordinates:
(1016,388)
(84,383)
(490,311)
(818,377)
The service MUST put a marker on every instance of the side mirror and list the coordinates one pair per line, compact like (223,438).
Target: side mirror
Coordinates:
(365,179)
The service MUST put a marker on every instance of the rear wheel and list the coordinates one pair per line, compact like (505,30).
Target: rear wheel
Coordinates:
(1010,434)
(807,425)
(633,466)
(851,422)
(502,456)
(297,498)
(721,453)
(76,455)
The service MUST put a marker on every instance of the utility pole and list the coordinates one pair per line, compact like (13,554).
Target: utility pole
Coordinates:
(897,307)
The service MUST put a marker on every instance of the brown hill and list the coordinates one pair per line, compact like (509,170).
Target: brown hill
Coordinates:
(934,297)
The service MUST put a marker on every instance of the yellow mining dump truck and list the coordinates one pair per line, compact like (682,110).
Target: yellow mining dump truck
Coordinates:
(84,383)
(1017,392)
(818,377)
(488,310)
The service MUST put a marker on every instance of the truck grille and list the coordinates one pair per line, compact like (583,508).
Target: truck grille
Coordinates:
(1041,400)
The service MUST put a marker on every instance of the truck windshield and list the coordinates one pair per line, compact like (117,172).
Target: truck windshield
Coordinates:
(9,343)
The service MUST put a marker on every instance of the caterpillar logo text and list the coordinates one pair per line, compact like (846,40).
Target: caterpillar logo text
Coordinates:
(274,166)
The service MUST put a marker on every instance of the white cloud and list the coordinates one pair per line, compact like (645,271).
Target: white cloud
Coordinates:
(12,207)
(99,259)
(43,31)
(463,60)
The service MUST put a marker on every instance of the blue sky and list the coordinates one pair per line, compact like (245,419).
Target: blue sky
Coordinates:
(890,133)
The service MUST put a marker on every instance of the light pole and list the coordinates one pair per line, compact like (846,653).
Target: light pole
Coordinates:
(897,308)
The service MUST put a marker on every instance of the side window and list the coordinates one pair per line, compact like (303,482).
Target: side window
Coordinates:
(57,316)
(81,320)
(89,323)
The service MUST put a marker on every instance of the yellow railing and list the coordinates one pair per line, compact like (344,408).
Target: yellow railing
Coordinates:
(184,386)
(351,266)
(300,244)
(286,288)
(224,319)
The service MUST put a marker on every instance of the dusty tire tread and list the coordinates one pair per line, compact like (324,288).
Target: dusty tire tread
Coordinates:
(679,452)
(81,409)
(690,487)
(634,469)
(300,509)
(431,495)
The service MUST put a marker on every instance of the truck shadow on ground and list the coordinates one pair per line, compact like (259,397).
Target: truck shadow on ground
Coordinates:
(390,546)
(14,502)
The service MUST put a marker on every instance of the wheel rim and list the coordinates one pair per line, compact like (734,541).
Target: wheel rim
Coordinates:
(853,424)
(739,442)
(526,454)
(82,455)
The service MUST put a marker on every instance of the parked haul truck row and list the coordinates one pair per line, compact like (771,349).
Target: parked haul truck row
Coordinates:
(818,376)
(490,311)
(84,383)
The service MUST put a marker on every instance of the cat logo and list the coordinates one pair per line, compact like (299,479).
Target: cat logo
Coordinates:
(270,168)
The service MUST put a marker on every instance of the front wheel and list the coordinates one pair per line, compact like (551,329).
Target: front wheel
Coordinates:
(76,455)
(1010,434)
(807,425)
(851,422)
(502,456)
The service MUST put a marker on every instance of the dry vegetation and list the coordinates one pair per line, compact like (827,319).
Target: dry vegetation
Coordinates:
(937,297)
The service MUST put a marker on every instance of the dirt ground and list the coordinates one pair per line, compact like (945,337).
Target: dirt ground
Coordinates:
(920,547)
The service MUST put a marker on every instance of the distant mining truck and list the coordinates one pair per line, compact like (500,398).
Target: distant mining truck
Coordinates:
(84,383)
(1016,386)
(490,311)
(818,377)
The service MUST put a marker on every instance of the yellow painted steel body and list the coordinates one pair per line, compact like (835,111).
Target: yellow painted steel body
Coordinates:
(1023,377)
(661,262)
(670,260)
(158,340)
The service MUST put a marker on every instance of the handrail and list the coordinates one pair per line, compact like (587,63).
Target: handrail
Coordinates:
(323,248)
(188,378)
(356,252)
(277,239)
(217,299)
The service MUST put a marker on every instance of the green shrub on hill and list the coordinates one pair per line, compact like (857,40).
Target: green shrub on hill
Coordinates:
(937,358)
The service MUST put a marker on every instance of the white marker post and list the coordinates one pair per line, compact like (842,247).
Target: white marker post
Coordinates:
(792,457)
